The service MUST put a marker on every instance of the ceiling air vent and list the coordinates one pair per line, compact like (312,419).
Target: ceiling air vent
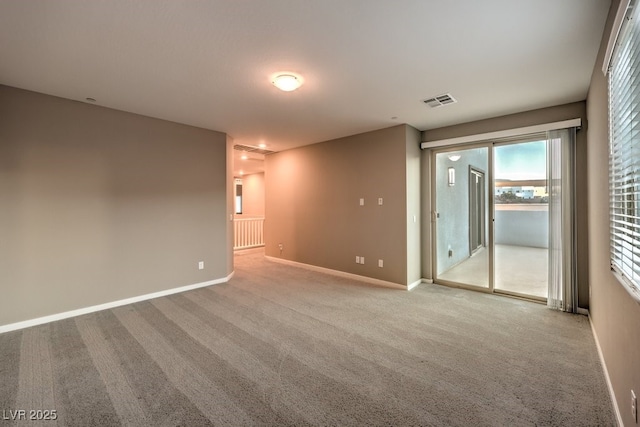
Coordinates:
(250,149)
(440,100)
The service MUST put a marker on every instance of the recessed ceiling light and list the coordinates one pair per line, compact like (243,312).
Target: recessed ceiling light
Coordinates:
(286,81)
(263,145)
(90,99)
(454,157)
(244,157)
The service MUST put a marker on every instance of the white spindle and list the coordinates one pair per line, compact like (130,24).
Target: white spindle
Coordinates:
(248,233)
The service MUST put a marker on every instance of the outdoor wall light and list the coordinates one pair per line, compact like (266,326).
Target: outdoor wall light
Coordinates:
(452,177)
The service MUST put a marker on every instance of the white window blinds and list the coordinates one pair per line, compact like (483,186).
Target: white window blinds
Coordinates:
(624,162)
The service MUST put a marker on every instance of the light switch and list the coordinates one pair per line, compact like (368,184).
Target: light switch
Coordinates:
(380,201)
(361,202)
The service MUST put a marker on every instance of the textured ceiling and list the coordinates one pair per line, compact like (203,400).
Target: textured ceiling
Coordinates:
(367,64)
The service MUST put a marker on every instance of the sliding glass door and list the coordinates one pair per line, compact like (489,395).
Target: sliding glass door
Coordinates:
(462,217)
(521,218)
(503,217)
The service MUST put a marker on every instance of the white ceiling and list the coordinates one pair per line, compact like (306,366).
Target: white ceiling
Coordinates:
(367,64)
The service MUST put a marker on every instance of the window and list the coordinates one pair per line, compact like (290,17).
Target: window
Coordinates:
(238,184)
(624,160)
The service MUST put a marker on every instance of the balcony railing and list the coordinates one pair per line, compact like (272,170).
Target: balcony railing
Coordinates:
(523,224)
(248,233)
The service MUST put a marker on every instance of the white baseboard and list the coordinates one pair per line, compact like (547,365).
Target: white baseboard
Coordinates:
(429,281)
(414,284)
(338,273)
(108,305)
(612,394)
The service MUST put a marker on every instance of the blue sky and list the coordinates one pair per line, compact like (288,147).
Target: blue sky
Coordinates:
(521,161)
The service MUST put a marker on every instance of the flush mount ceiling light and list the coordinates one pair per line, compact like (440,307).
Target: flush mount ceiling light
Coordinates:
(286,81)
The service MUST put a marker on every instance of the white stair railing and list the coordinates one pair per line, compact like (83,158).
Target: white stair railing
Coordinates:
(248,233)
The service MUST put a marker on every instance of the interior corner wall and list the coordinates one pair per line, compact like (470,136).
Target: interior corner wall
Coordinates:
(99,205)
(231,206)
(531,118)
(426,224)
(615,316)
(312,206)
(414,209)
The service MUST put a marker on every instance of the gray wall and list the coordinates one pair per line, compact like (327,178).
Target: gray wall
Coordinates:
(312,204)
(614,314)
(98,205)
(530,118)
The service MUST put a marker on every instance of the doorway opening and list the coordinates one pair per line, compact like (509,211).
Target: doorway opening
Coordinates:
(477,205)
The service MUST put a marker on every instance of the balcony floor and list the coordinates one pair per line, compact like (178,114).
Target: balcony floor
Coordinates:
(518,269)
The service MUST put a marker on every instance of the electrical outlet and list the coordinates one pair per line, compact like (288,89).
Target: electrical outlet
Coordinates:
(380,201)
(361,202)
(634,407)
(357,259)
(201,265)
(380,263)
(361,260)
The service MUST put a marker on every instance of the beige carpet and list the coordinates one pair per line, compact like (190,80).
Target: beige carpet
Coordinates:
(279,345)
